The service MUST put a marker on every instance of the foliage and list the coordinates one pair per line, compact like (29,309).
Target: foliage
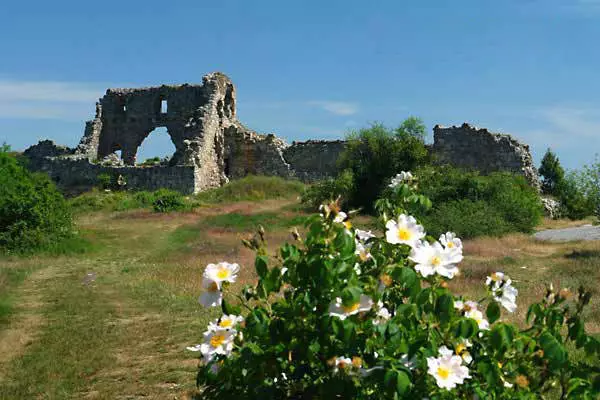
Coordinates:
(373,155)
(149,162)
(581,195)
(474,205)
(345,314)
(166,200)
(329,189)
(33,213)
(252,188)
(552,172)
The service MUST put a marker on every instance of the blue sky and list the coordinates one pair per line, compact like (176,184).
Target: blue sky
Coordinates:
(314,69)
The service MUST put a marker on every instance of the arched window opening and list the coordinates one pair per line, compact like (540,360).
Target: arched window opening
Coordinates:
(156,149)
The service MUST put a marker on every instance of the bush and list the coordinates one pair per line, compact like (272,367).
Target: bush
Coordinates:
(328,190)
(33,213)
(373,155)
(166,200)
(347,314)
(503,202)
(580,192)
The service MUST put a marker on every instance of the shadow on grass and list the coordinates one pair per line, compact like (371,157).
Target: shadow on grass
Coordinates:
(583,254)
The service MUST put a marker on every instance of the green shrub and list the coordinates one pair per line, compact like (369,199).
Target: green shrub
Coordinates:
(33,213)
(328,190)
(467,218)
(105,181)
(252,188)
(166,200)
(375,154)
(503,202)
(573,200)
(342,314)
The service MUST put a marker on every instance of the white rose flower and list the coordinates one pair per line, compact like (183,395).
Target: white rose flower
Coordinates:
(404,231)
(217,342)
(466,305)
(461,349)
(503,291)
(340,217)
(363,251)
(434,259)
(225,322)
(222,272)
(447,369)
(337,309)
(450,241)
(363,236)
(479,318)
(212,296)
(402,177)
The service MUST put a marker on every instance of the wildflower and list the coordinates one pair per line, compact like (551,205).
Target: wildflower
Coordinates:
(340,217)
(447,369)
(461,349)
(466,305)
(222,272)
(450,241)
(502,290)
(478,317)
(212,296)
(217,342)
(341,363)
(225,322)
(383,314)
(433,259)
(403,176)
(363,251)
(337,309)
(363,236)
(404,231)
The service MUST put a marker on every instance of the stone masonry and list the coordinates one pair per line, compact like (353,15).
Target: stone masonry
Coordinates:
(478,149)
(212,146)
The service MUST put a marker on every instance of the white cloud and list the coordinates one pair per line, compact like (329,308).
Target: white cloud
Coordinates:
(48,99)
(335,107)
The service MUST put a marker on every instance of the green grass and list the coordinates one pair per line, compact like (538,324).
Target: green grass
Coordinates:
(252,188)
(10,279)
(245,222)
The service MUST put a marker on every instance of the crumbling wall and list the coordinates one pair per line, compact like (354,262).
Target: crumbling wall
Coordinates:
(478,149)
(314,159)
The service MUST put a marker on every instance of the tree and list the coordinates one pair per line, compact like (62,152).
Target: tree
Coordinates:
(552,172)
(375,154)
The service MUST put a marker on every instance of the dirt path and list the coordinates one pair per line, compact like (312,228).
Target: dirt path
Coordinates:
(587,232)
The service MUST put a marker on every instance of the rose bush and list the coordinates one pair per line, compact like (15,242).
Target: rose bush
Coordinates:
(344,313)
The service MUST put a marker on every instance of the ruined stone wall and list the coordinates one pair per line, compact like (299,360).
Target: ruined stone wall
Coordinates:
(315,159)
(75,173)
(478,149)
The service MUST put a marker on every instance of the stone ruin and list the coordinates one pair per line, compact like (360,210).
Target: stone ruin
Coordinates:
(478,149)
(212,146)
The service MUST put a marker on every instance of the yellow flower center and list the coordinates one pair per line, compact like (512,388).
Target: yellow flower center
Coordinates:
(495,277)
(364,255)
(223,273)
(443,372)
(351,308)
(348,224)
(226,323)
(356,362)
(499,365)
(217,340)
(450,245)
(460,348)
(436,260)
(404,234)
(213,287)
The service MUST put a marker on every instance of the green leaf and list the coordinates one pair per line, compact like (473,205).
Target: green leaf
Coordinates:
(230,309)
(407,277)
(493,312)
(577,387)
(351,295)
(402,382)
(261,266)
(465,328)
(445,307)
(554,352)
(502,336)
